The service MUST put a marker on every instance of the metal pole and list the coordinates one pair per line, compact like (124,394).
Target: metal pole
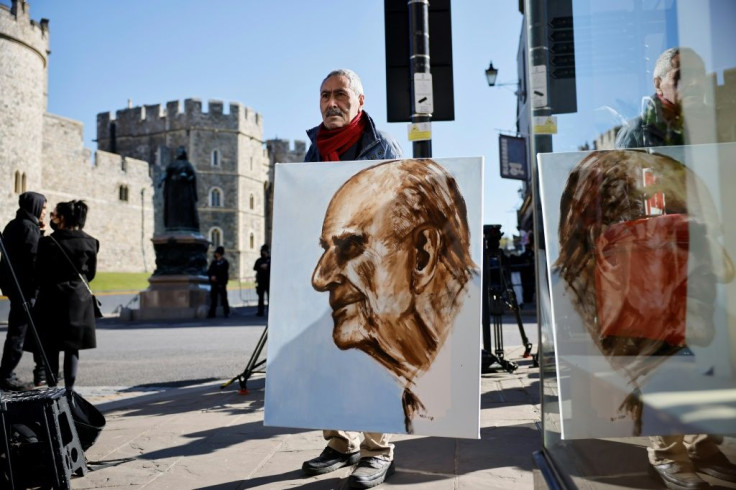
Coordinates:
(538,54)
(419,63)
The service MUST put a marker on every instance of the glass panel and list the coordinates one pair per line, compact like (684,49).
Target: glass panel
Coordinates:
(637,288)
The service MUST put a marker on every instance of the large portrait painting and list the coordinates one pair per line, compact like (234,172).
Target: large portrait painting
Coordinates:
(639,253)
(374,319)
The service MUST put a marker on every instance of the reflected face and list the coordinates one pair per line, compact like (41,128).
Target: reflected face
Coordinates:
(684,83)
(366,269)
(660,271)
(338,103)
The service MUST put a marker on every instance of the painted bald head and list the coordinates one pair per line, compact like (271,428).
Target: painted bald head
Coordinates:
(396,260)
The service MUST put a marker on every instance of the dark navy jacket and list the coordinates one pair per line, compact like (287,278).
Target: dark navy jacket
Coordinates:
(374,145)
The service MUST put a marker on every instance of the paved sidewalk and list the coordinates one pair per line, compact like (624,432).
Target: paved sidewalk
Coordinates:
(205,437)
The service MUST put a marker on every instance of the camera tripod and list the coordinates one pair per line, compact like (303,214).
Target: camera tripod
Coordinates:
(498,296)
(251,366)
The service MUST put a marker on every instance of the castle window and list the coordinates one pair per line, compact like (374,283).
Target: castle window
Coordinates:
(216,198)
(252,241)
(23,182)
(123,193)
(252,201)
(18,188)
(215,158)
(215,237)
(123,164)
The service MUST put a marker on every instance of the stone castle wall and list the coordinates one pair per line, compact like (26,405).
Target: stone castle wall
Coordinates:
(134,147)
(725,96)
(238,173)
(24,48)
(123,227)
(279,151)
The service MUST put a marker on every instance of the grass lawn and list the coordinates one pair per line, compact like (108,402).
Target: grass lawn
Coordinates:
(120,281)
(138,281)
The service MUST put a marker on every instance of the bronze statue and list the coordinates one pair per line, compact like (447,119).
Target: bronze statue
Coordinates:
(180,194)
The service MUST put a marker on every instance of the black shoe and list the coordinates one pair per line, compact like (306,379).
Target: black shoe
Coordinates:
(370,472)
(14,384)
(39,377)
(329,460)
(717,466)
(678,476)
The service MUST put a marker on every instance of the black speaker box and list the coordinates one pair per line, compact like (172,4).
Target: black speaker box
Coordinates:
(43,443)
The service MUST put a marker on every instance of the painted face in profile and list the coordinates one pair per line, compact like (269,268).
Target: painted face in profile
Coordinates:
(365,267)
(396,262)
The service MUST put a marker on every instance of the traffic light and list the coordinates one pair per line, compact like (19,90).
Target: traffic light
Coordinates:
(561,63)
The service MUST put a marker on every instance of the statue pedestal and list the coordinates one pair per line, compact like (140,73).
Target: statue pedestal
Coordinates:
(179,288)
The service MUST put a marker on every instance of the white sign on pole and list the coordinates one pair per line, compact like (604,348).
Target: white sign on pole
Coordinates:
(539,86)
(423,99)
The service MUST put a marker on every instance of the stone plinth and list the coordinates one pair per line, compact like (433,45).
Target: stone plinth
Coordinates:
(180,253)
(179,287)
(173,297)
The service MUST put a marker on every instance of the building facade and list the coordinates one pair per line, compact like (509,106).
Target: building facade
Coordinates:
(228,153)
(43,152)
(279,151)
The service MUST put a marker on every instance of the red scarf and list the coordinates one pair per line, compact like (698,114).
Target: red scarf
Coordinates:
(334,142)
(670,111)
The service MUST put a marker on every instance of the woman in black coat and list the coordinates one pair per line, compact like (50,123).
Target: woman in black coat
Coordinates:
(64,308)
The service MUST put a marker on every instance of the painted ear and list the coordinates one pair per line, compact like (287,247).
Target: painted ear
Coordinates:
(427,242)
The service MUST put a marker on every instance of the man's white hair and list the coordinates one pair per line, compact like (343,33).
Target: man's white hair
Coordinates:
(664,62)
(354,80)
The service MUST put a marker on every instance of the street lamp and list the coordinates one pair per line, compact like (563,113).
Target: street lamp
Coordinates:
(492,74)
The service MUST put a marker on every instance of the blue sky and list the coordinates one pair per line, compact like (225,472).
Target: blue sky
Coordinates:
(272,56)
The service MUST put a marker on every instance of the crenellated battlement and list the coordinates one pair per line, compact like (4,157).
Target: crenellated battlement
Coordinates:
(280,151)
(154,118)
(16,25)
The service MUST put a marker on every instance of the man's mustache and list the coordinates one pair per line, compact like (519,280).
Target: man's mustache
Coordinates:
(333,111)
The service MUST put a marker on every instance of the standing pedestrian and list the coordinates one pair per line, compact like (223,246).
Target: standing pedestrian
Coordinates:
(20,237)
(67,261)
(348,133)
(263,278)
(219,274)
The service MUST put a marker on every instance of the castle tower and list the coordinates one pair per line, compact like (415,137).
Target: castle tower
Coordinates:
(24,51)
(228,154)
(279,152)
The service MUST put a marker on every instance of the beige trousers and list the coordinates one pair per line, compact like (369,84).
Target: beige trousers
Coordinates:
(682,448)
(374,444)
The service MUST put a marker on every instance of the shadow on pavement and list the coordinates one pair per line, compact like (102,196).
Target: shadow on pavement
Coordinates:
(239,316)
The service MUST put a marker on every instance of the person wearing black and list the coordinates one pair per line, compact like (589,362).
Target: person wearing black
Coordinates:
(20,237)
(263,275)
(528,272)
(64,311)
(348,133)
(219,274)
